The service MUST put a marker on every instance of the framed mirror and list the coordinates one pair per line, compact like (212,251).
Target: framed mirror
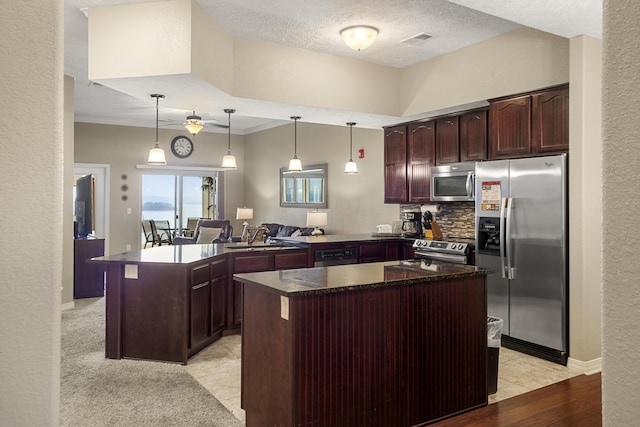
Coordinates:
(306,189)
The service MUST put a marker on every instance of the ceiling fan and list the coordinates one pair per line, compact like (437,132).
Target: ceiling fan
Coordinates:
(194,123)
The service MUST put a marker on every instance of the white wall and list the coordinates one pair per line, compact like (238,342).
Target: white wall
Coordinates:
(67,227)
(585,200)
(355,202)
(621,204)
(123,148)
(31,168)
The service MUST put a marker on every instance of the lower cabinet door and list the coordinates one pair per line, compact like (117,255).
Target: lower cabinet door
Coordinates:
(200,326)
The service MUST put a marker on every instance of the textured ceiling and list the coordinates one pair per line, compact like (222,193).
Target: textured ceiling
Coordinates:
(315,25)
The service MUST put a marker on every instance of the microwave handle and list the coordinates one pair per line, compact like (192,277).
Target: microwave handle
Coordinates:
(470,184)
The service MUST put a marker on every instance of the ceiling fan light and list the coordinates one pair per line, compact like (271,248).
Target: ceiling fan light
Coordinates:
(193,126)
(359,37)
(156,156)
(229,161)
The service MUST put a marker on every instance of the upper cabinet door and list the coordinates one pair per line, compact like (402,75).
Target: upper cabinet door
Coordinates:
(395,164)
(510,128)
(421,156)
(473,136)
(447,142)
(550,121)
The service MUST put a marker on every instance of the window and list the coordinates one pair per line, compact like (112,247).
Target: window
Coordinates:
(176,198)
(306,189)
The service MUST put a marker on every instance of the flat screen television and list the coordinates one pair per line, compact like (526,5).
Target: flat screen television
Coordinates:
(84,206)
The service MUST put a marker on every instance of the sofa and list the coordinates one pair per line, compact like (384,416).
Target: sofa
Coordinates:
(280,230)
(208,231)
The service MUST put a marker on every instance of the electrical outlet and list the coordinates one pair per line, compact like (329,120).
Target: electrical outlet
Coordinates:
(128,247)
(129,211)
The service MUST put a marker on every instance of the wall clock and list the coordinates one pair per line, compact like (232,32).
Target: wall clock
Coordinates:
(181,147)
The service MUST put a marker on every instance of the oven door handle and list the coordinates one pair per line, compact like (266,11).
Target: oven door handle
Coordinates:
(439,256)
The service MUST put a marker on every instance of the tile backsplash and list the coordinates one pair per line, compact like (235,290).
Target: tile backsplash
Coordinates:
(457,220)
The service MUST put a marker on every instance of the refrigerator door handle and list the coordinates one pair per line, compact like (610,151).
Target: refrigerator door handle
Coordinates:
(510,271)
(503,207)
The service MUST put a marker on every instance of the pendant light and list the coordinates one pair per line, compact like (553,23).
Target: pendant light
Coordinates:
(194,124)
(156,154)
(295,164)
(229,160)
(351,166)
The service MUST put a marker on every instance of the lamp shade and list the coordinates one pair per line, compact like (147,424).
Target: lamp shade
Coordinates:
(351,167)
(156,156)
(316,219)
(359,37)
(229,161)
(295,165)
(244,213)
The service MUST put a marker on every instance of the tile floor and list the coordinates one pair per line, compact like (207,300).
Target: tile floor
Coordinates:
(217,368)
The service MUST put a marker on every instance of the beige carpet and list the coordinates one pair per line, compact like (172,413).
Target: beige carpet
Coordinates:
(101,392)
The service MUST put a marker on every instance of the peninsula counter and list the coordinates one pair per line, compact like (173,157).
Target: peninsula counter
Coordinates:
(398,343)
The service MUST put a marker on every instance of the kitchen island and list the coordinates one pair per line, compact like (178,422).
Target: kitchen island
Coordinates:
(396,343)
(169,302)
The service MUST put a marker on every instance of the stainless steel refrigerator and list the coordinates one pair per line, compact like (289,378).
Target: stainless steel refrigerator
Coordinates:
(521,233)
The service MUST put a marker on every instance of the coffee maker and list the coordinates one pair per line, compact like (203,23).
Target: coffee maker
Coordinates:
(411,217)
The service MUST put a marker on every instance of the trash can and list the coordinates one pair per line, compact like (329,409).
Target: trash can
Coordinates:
(494,333)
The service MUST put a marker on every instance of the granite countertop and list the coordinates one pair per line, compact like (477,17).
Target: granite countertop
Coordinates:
(349,277)
(336,238)
(186,254)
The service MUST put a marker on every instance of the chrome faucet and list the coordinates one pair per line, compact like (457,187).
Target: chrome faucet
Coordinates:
(251,239)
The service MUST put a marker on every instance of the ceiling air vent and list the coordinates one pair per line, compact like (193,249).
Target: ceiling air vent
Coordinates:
(416,39)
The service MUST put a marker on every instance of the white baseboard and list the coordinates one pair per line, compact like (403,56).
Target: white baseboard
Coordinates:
(68,306)
(588,368)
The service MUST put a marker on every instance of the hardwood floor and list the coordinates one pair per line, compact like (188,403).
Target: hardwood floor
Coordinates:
(573,402)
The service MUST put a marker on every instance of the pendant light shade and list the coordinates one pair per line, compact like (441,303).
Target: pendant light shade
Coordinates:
(295,164)
(351,166)
(194,124)
(359,37)
(156,154)
(229,160)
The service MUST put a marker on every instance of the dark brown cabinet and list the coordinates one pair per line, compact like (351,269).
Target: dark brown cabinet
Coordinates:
(473,136)
(550,121)
(510,131)
(395,165)
(421,156)
(88,279)
(249,262)
(409,152)
(530,125)
(206,303)
(447,140)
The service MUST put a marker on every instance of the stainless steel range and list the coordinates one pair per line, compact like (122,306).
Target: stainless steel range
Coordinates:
(457,253)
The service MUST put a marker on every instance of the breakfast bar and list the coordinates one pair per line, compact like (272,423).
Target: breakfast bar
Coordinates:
(397,343)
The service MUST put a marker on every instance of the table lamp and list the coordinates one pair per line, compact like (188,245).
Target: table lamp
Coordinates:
(316,219)
(245,214)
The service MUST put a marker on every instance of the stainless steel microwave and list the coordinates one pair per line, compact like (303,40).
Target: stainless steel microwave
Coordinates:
(454,182)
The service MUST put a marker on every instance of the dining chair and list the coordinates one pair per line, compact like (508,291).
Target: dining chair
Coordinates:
(162,231)
(148,233)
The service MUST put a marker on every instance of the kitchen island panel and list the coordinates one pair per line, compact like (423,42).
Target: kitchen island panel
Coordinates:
(403,354)
(155,314)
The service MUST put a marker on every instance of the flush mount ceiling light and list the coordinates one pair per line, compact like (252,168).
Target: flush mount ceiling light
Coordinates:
(194,124)
(351,166)
(359,37)
(156,154)
(229,160)
(295,164)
